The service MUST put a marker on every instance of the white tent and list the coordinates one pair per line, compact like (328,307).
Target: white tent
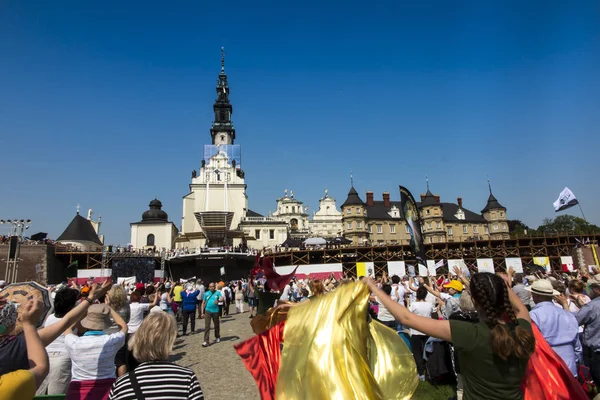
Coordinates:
(317,241)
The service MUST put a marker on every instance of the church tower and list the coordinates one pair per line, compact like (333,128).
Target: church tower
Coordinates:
(222,130)
(216,202)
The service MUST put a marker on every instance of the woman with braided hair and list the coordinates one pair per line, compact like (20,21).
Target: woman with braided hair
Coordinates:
(492,353)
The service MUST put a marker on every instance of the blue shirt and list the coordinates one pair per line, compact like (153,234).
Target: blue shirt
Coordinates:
(560,329)
(211,307)
(589,317)
(189,300)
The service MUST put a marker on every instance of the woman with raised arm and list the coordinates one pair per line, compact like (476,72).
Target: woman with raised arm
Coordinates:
(493,353)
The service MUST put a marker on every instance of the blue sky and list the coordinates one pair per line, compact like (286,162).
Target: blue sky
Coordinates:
(108,104)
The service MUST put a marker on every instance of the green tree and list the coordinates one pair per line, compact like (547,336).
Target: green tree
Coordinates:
(517,228)
(567,224)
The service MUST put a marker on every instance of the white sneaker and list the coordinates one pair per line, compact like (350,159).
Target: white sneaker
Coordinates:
(204,344)
(217,340)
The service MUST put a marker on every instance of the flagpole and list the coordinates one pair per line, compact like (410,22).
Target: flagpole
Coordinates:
(581,209)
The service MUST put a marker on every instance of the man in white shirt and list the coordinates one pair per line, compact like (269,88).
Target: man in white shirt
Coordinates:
(200,297)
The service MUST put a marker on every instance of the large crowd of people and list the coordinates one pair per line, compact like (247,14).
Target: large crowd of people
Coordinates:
(472,331)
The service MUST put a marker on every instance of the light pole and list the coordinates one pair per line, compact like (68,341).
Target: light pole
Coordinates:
(18,227)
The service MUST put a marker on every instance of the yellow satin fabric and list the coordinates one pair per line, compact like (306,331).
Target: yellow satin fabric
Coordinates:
(331,352)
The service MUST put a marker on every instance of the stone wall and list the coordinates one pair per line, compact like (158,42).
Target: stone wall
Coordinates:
(29,257)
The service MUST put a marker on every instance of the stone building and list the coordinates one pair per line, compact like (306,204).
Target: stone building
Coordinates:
(327,221)
(154,231)
(380,222)
(293,212)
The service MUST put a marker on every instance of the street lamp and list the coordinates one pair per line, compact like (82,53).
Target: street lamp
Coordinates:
(14,247)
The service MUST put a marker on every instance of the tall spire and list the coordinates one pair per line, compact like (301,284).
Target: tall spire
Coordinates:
(351,179)
(222,130)
(489,186)
(427,182)
(222,59)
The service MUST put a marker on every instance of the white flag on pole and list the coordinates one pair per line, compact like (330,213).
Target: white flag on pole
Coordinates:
(565,200)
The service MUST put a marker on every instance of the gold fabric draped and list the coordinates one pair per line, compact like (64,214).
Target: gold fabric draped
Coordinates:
(332,352)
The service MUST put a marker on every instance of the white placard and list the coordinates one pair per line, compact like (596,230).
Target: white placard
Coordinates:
(222,271)
(126,280)
(516,263)
(93,273)
(431,267)
(591,268)
(422,270)
(460,263)
(567,262)
(396,268)
(542,262)
(485,265)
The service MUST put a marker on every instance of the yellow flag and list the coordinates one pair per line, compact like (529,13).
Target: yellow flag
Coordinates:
(331,351)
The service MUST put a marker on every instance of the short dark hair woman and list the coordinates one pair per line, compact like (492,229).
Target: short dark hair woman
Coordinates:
(493,353)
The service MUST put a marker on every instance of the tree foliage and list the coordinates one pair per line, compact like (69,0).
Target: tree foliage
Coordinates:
(566,224)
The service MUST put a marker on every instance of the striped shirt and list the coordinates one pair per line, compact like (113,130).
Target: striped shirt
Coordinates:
(159,380)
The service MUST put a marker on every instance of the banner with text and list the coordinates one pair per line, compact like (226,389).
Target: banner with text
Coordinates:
(316,271)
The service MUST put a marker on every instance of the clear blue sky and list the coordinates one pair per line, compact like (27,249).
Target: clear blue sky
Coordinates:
(109,103)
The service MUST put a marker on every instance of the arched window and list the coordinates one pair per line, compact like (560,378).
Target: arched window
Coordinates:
(150,240)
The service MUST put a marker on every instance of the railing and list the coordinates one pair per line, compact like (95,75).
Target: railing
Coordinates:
(185,252)
(261,219)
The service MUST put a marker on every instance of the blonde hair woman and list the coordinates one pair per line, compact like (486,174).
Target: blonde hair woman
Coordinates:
(155,376)
(116,298)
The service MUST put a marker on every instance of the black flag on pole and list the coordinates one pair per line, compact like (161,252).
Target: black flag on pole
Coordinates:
(410,212)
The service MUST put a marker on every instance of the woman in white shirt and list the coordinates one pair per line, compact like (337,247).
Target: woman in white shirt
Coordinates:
(59,376)
(137,310)
(383,315)
(93,354)
(418,339)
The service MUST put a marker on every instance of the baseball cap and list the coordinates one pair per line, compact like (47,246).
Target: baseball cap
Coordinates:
(456,285)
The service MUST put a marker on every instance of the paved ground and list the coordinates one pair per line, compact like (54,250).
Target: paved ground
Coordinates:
(219,369)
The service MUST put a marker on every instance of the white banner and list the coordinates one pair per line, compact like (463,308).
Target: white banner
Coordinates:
(485,265)
(396,268)
(516,263)
(431,267)
(126,280)
(542,262)
(93,273)
(422,270)
(567,262)
(222,271)
(310,269)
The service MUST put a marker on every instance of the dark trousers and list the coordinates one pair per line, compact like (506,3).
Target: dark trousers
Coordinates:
(595,366)
(189,315)
(417,342)
(208,319)
(389,324)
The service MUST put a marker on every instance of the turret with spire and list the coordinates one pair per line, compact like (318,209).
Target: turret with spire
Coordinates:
(222,130)
(354,218)
(495,214)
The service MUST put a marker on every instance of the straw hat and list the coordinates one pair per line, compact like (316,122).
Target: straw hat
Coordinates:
(98,318)
(542,287)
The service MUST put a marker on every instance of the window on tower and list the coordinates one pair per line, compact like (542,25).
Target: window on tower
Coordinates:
(150,240)
(222,116)
(222,138)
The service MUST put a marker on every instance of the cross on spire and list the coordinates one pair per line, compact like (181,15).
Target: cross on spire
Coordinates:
(489,186)
(351,179)
(78,207)
(427,182)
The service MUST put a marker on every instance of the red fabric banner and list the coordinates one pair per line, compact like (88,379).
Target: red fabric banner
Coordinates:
(261,355)
(547,376)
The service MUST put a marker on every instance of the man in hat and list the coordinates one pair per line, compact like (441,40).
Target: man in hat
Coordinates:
(93,354)
(559,327)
